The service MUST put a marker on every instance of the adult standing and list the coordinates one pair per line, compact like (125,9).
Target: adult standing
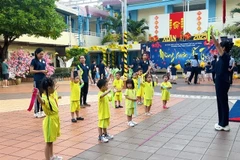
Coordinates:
(38,69)
(101,68)
(144,64)
(5,73)
(231,66)
(222,84)
(195,68)
(85,77)
(213,68)
(134,65)
(93,71)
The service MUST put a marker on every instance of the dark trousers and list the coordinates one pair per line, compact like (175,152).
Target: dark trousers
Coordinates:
(94,77)
(222,102)
(231,75)
(194,73)
(84,92)
(37,106)
(214,77)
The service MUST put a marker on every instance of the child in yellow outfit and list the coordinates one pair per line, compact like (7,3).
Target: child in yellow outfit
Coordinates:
(165,86)
(149,85)
(75,96)
(103,111)
(135,81)
(118,86)
(140,87)
(131,98)
(51,123)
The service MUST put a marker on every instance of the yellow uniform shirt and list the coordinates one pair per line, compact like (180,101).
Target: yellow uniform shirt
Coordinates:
(165,92)
(135,81)
(103,106)
(131,93)
(149,89)
(75,91)
(51,123)
(118,84)
(55,94)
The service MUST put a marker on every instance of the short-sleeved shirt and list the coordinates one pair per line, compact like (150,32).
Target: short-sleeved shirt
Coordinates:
(101,67)
(38,65)
(144,65)
(222,66)
(131,93)
(46,107)
(103,106)
(4,68)
(85,72)
(231,62)
(135,82)
(173,71)
(118,83)
(208,69)
(194,63)
(149,89)
(75,91)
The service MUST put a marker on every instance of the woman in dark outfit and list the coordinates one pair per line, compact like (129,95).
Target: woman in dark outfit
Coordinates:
(38,69)
(195,70)
(222,84)
(213,67)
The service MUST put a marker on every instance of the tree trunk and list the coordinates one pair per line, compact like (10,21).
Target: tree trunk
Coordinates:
(4,49)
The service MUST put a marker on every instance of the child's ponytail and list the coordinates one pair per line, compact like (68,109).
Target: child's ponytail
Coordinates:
(47,82)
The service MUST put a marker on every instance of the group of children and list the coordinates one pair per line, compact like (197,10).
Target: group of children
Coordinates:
(139,87)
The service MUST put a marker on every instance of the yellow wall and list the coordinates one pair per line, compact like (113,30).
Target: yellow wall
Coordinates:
(231,4)
(145,13)
(92,26)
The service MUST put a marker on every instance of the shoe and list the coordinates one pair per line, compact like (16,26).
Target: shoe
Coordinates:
(108,136)
(103,139)
(131,124)
(41,114)
(36,115)
(120,106)
(56,158)
(220,128)
(146,114)
(189,83)
(80,118)
(139,103)
(135,123)
(74,120)
(149,114)
(165,107)
(87,105)
(116,106)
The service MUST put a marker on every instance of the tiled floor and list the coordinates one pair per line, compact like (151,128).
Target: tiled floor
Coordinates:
(183,132)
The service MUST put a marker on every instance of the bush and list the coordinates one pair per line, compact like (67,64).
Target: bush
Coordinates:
(62,72)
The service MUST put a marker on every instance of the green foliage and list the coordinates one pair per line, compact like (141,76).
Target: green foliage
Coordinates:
(137,28)
(114,23)
(62,72)
(234,29)
(76,52)
(31,17)
(111,38)
(235,52)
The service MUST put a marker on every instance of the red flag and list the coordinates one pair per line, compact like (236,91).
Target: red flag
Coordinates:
(224,11)
(176,24)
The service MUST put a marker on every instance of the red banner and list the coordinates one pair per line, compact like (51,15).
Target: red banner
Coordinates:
(176,24)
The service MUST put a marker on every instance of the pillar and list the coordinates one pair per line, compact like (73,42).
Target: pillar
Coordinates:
(98,26)
(105,58)
(98,58)
(125,55)
(80,22)
(168,9)
(211,7)
(87,24)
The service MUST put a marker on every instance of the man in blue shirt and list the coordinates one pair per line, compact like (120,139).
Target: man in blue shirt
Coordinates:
(85,78)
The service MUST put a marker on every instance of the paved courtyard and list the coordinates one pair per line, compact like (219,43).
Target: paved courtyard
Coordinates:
(183,132)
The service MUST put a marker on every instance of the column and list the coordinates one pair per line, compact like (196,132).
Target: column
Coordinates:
(80,22)
(211,7)
(98,26)
(87,23)
(168,9)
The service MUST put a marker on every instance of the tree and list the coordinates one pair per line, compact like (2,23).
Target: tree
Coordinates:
(30,17)
(114,23)
(235,28)
(136,29)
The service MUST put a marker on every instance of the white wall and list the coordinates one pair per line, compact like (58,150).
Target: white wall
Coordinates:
(91,40)
(145,13)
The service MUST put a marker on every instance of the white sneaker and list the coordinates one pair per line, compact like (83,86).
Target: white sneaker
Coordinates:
(56,158)
(41,114)
(131,124)
(220,128)
(135,123)
(108,136)
(149,114)
(36,115)
(103,139)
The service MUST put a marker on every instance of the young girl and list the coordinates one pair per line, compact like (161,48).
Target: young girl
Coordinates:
(51,123)
(75,96)
(165,86)
(149,85)
(130,95)
(118,86)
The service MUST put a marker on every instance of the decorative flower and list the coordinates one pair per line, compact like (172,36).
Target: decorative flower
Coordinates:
(237,43)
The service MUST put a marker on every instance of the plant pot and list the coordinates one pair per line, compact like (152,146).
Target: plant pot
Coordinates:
(18,81)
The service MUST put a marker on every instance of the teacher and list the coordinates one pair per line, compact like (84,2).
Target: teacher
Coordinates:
(144,64)
(195,68)
(38,69)
(222,84)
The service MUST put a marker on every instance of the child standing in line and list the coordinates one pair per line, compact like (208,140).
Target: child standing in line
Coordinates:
(141,80)
(103,111)
(208,71)
(51,123)
(75,96)
(173,74)
(118,86)
(131,98)
(165,86)
(149,85)
(135,81)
